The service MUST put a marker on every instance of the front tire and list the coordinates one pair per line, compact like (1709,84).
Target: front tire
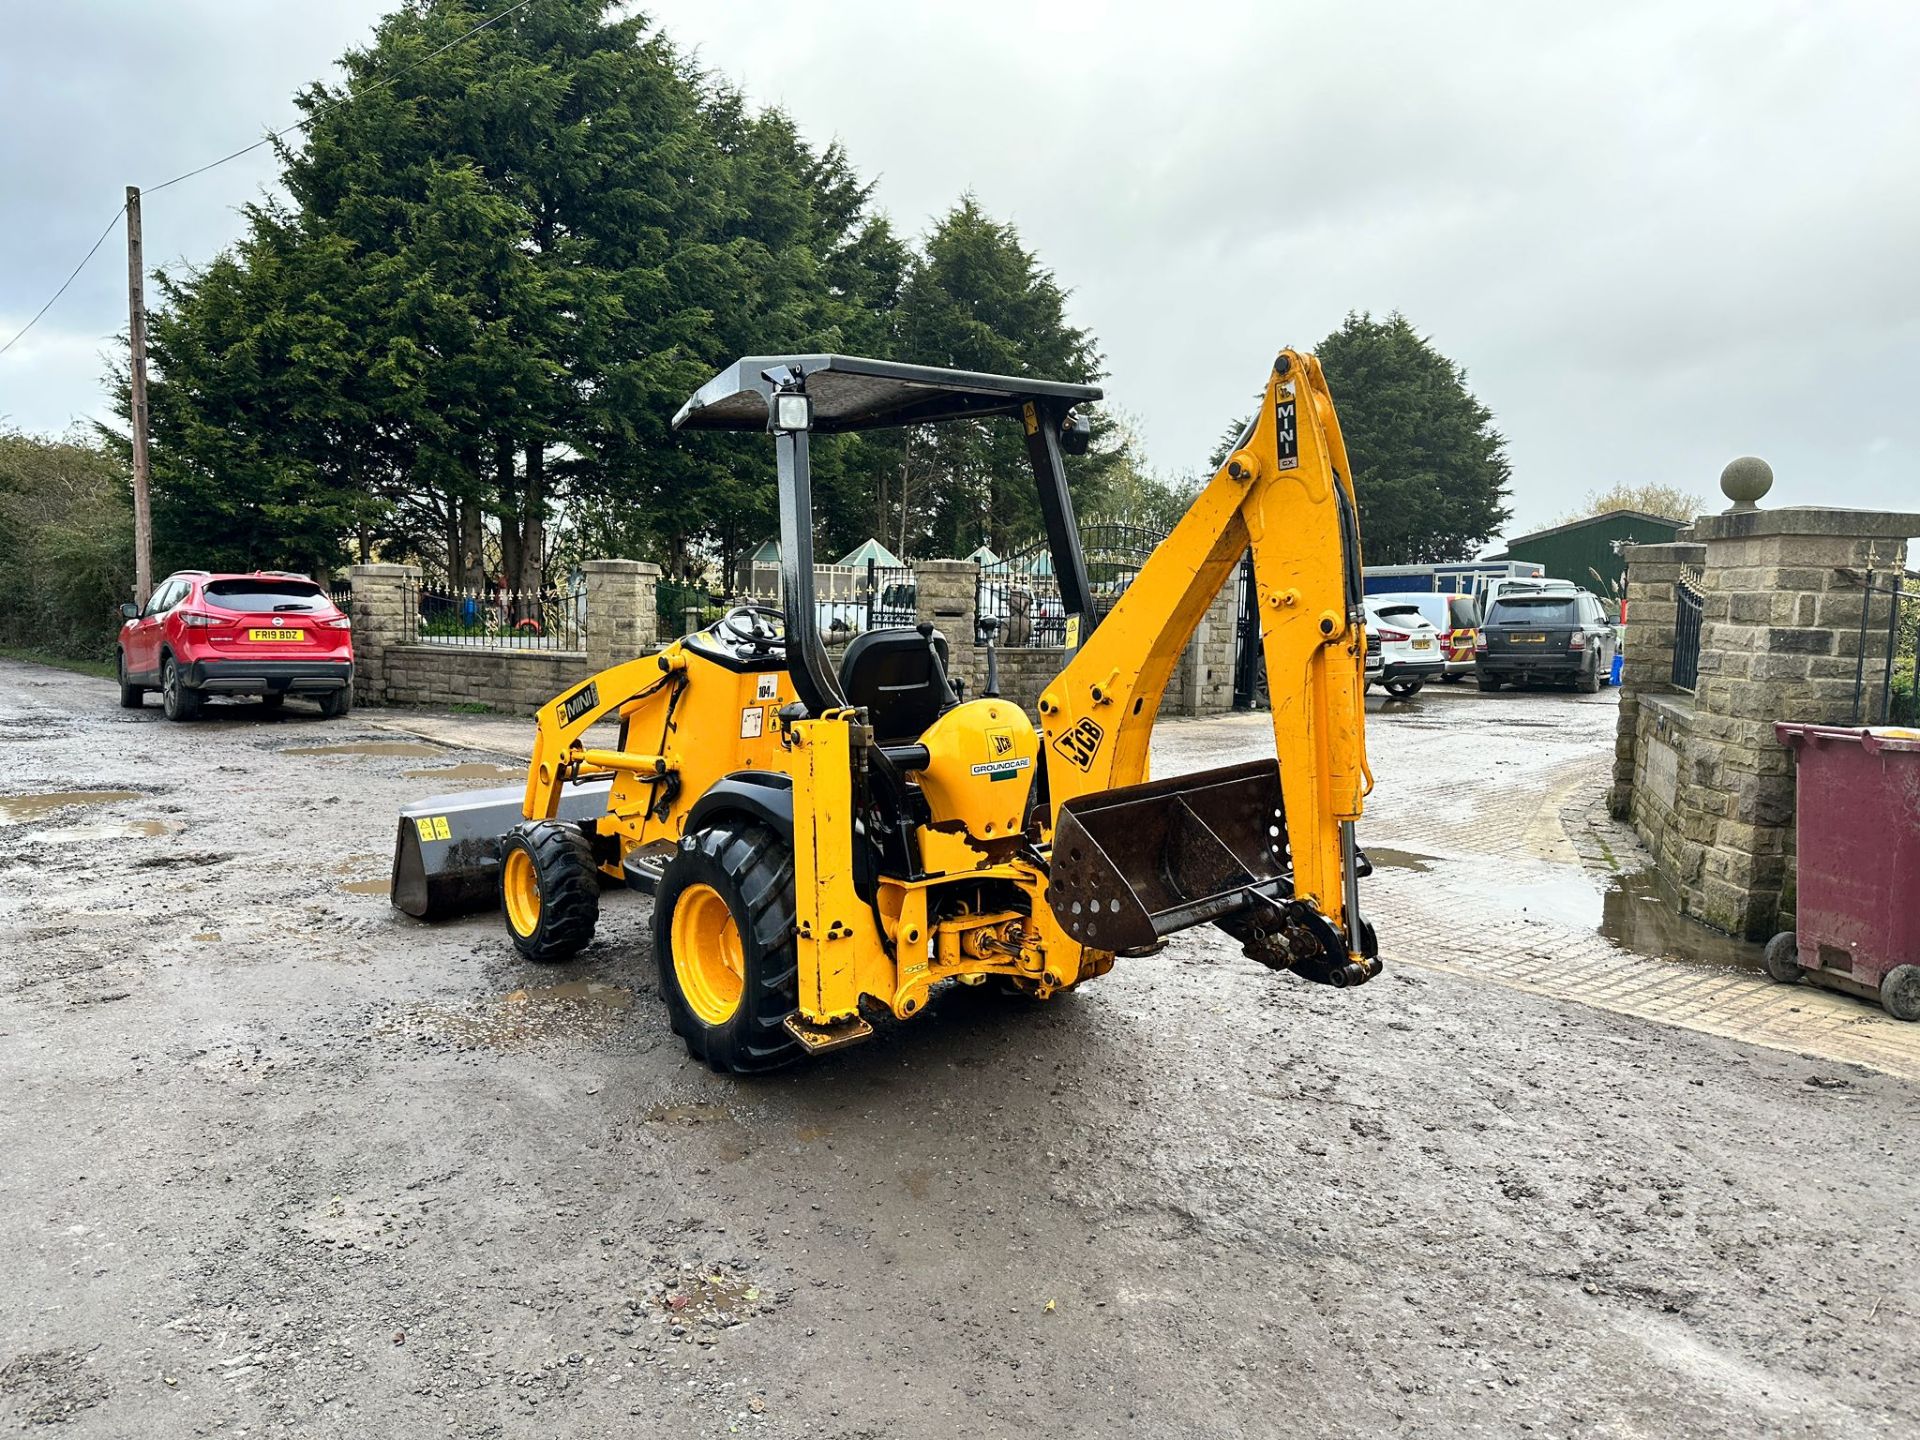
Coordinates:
(177,698)
(1900,992)
(1781,958)
(1404,689)
(549,890)
(724,941)
(132,697)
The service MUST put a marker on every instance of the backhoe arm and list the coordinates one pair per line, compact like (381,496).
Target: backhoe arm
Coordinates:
(1189,850)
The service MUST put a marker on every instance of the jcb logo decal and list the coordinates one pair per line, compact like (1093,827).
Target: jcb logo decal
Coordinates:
(1000,742)
(1081,743)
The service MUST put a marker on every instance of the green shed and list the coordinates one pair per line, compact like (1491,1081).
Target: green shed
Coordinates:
(1587,551)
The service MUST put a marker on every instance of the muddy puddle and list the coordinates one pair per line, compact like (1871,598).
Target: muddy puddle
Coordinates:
(367,887)
(20,809)
(384,749)
(472,770)
(103,830)
(520,1019)
(1640,912)
(1385,857)
(1637,911)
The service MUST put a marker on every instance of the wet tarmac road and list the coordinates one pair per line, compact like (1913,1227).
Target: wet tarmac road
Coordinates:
(281,1160)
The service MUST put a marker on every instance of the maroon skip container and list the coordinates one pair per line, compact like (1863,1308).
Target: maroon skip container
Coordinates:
(1858,910)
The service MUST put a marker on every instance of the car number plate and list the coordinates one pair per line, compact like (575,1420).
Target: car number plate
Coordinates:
(271,635)
(1423,644)
(1528,639)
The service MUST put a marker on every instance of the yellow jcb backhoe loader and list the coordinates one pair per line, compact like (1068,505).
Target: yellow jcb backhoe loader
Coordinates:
(825,841)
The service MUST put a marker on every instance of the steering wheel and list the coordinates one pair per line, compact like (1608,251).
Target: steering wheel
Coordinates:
(759,627)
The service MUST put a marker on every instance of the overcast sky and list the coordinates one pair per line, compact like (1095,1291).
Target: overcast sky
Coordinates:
(1657,235)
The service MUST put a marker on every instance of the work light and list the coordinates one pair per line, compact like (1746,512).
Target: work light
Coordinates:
(791,411)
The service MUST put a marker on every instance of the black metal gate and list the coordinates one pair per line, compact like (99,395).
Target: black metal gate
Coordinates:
(1887,691)
(1249,661)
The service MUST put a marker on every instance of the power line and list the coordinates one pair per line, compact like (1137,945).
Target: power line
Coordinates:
(68,281)
(379,84)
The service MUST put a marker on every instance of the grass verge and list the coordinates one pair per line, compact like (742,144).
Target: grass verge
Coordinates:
(59,662)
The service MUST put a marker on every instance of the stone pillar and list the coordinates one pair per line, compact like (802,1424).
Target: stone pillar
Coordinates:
(1652,572)
(621,622)
(1780,640)
(379,624)
(946,593)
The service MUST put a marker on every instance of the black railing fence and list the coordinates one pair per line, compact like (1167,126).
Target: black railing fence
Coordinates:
(1686,633)
(341,593)
(1022,592)
(1886,691)
(496,617)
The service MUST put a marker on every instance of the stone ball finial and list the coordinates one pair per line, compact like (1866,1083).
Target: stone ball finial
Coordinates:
(1745,480)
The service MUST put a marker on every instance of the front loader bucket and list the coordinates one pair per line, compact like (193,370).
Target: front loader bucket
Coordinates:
(1133,865)
(446,858)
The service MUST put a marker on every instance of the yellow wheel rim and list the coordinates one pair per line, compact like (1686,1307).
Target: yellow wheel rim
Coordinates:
(707,958)
(521,888)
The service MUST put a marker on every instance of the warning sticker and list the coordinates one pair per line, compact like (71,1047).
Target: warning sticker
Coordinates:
(433,827)
(766,687)
(1286,434)
(751,719)
(1073,632)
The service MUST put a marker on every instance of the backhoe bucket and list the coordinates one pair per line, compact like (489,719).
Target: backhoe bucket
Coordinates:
(1133,865)
(446,858)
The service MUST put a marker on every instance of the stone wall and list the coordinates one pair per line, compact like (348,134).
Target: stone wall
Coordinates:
(1702,777)
(392,667)
(512,682)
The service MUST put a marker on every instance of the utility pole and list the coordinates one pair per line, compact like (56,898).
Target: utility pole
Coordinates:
(137,401)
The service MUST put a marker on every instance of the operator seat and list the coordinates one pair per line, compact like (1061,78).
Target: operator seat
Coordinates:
(890,673)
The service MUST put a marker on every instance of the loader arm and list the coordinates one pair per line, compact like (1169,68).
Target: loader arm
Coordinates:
(1286,491)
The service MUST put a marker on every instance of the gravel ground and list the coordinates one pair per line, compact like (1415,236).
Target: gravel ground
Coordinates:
(279,1161)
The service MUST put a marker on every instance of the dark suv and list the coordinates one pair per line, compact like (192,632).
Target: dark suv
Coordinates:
(1559,636)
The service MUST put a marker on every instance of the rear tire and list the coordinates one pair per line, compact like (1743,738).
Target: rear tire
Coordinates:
(336,703)
(1900,992)
(724,940)
(1781,958)
(132,697)
(1489,682)
(1588,681)
(1403,689)
(177,698)
(1452,678)
(549,890)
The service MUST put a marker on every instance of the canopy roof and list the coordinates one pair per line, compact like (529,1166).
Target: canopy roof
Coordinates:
(851,393)
(872,549)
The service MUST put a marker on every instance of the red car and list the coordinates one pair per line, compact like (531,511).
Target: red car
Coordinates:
(269,634)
